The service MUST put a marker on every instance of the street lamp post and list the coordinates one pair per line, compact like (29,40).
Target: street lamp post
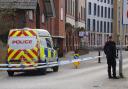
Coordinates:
(123,20)
(121,56)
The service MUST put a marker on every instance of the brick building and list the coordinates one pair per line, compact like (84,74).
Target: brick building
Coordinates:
(14,15)
(45,14)
(64,19)
(75,22)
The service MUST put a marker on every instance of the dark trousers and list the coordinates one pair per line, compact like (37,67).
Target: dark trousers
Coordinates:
(111,66)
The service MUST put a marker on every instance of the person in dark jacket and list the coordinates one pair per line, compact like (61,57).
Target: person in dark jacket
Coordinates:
(110,51)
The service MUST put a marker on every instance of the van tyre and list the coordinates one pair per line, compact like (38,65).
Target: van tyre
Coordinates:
(10,73)
(55,68)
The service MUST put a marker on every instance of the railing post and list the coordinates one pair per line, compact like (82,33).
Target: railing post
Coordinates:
(99,59)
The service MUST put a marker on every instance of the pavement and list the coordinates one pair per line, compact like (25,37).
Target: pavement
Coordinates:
(121,83)
(104,82)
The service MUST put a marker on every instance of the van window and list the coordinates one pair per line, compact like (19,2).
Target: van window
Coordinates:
(43,42)
(48,41)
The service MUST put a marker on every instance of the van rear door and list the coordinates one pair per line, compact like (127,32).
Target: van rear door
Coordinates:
(22,46)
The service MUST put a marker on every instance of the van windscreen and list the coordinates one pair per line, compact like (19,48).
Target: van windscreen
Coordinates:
(22,43)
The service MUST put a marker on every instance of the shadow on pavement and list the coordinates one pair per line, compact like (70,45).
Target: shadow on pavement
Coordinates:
(31,73)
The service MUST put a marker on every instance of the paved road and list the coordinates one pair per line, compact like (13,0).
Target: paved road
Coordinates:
(90,75)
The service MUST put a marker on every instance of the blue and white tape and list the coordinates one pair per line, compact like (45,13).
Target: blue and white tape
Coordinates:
(5,67)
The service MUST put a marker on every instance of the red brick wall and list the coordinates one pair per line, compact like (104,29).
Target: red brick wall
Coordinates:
(58,26)
(41,4)
(31,23)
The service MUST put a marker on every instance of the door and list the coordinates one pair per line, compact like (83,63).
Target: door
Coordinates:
(46,50)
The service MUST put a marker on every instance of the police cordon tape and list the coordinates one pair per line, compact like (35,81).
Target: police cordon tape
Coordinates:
(43,65)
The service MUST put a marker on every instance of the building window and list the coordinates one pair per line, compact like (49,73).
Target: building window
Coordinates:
(112,13)
(104,1)
(62,14)
(79,16)
(108,27)
(104,27)
(108,1)
(95,9)
(43,18)
(98,11)
(97,26)
(89,8)
(105,15)
(101,11)
(30,15)
(68,6)
(101,25)
(84,13)
(112,2)
(94,24)
(71,7)
(81,13)
(109,13)
(88,25)
(111,27)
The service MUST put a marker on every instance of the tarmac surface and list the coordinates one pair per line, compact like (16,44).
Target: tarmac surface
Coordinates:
(90,75)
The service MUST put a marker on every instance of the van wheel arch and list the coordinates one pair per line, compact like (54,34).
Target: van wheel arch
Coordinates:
(43,71)
(10,73)
(55,68)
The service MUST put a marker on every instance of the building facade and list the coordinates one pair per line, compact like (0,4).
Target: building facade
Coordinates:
(43,14)
(99,21)
(55,24)
(74,23)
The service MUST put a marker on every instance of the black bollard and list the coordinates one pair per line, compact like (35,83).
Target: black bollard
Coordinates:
(99,59)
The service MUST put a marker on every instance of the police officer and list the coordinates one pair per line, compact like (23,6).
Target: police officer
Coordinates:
(110,51)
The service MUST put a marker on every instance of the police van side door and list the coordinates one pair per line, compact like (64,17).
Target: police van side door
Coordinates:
(51,51)
(43,49)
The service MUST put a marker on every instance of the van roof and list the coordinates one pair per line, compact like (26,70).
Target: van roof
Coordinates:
(41,32)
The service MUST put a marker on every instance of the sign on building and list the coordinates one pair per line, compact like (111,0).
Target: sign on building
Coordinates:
(125,11)
(81,34)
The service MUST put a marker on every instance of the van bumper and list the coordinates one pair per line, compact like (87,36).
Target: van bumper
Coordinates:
(26,67)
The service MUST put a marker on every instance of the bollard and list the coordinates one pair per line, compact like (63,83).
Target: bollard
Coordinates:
(99,59)
(76,56)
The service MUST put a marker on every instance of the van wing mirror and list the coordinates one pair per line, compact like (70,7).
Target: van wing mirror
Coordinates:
(56,48)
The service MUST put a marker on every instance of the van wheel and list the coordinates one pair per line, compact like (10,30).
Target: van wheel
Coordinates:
(43,71)
(10,73)
(55,68)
